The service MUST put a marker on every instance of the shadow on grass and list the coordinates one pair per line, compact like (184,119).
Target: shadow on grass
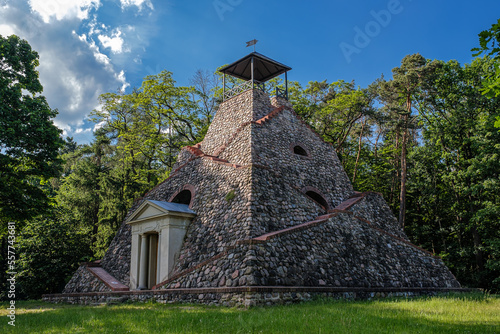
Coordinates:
(431,315)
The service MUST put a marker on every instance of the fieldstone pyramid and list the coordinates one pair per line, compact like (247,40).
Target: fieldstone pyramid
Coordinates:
(261,210)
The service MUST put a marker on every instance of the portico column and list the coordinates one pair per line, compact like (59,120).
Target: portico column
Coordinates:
(158,260)
(143,263)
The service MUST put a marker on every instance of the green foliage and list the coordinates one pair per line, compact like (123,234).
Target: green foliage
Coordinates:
(489,42)
(29,141)
(230,195)
(428,142)
(456,180)
(81,191)
(49,252)
(334,110)
(151,124)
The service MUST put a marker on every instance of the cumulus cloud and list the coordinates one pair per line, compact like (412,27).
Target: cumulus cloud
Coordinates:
(138,3)
(73,70)
(6,30)
(63,9)
(114,42)
(81,56)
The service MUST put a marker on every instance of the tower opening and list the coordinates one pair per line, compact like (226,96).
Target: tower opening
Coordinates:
(300,151)
(183,197)
(318,199)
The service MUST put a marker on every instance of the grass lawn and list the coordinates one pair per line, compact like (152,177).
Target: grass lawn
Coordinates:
(467,313)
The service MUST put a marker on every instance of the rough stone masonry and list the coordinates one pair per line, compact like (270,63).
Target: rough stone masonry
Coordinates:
(277,219)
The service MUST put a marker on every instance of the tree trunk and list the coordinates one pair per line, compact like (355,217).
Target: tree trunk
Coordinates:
(395,175)
(402,195)
(359,150)
(477,249)
(404,140)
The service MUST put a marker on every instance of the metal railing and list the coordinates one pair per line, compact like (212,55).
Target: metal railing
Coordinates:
(238,89)
(281,93)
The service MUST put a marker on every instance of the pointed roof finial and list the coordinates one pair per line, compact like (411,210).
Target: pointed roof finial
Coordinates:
(252,42)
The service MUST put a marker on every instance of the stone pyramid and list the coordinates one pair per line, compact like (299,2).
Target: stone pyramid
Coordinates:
(260,211)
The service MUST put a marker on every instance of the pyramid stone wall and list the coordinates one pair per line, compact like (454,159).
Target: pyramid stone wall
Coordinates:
(232,114)
(239,148)
(255,226)
(374,208)
(341,251)
(276,204)
(346,252)
(321,169)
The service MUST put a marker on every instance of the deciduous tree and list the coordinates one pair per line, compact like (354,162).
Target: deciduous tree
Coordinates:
(29,141)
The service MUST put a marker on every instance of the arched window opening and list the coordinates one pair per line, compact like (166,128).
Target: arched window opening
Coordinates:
(183,197)
(300,151)
(318,199)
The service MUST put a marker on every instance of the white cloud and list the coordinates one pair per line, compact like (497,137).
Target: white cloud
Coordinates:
(98,56)
(6,30)
(99,125)
(115,42)
(81,56)
(95,27)
(81,130)
(121,78)
(137,3)
(63,9)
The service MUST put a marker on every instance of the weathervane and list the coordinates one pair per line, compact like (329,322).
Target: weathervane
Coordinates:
(252,42)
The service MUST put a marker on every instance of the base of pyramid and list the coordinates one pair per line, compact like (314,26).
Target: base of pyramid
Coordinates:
(247,296)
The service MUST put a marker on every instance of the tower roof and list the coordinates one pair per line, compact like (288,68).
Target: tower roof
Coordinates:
(265,68)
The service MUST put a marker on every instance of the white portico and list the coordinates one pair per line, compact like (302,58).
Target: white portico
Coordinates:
(158,230)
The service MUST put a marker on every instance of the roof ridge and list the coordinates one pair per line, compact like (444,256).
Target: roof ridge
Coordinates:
(271,114)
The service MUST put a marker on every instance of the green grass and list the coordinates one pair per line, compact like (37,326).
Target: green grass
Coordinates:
(468,313)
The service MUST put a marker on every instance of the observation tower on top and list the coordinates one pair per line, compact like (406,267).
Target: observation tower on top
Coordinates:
(255,70)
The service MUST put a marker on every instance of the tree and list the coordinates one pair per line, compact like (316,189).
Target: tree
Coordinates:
(152,123)
(401,95)
(343,106)
(489,41)
(50,249)
(29,141)
(80,193)
(463,148)
(205,86)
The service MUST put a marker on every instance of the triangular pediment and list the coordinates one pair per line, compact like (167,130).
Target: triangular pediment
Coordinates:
(151,209)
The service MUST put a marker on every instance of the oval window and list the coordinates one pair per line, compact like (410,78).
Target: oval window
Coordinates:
(300,151)
(318,199)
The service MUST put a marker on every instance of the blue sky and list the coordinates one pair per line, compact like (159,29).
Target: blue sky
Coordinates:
(90,47)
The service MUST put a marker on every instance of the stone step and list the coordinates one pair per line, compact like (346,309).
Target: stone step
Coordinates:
(107,279)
